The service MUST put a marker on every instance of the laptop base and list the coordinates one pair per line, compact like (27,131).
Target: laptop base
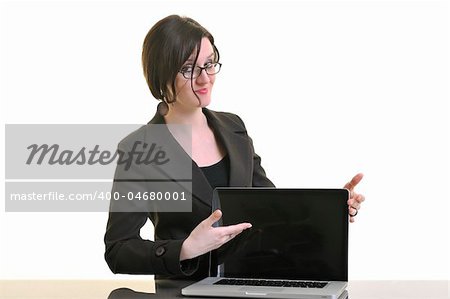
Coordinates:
(206,287)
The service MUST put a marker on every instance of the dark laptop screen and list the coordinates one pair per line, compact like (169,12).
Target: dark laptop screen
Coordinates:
(296,233)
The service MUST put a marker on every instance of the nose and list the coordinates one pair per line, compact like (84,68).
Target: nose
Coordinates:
(203,77)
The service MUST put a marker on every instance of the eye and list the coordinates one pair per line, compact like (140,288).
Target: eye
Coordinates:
(186,69)
(210,65)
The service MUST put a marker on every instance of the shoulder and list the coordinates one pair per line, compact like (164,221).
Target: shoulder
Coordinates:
(155,126)
(137,135)
(227,119)
(146,134)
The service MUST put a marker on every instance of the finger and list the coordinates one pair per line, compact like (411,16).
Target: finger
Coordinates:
(214,217)
(360,198)
(352,194)
(352,211)
(354,204)
(355,181)
(234,229)
(228,237)
(352,219)
(356,200)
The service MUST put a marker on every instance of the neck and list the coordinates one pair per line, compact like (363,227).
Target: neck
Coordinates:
(194,117)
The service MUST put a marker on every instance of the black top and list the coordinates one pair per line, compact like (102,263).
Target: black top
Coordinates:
(218,173)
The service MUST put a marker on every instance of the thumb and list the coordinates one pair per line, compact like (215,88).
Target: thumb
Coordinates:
(354,181)
(214,217)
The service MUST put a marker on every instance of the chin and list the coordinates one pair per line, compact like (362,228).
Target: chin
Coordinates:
(204,103)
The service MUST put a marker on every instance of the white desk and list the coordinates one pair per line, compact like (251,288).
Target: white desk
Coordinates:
(137,289)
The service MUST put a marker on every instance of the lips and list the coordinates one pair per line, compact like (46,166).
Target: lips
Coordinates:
(202,91)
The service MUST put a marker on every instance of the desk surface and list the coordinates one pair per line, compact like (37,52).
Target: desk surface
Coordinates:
(141,289)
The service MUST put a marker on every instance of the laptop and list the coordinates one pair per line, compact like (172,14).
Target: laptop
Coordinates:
(297,246)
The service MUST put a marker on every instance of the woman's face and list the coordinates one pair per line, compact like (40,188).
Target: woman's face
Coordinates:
(201,86)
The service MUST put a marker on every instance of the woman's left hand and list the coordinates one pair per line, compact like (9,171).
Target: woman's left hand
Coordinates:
(355,200)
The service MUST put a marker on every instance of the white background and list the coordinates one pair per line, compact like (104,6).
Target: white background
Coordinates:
(326,88)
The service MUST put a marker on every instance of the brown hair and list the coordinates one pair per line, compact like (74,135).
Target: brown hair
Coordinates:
(167,46)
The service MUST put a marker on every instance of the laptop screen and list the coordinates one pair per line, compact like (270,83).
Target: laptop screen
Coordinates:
(296,234)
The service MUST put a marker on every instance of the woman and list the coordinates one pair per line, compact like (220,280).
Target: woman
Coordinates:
(180,62)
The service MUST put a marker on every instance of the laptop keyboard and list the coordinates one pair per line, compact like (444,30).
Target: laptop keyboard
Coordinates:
(271,283)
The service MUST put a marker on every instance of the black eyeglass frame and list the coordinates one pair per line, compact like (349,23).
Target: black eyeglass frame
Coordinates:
(201,69)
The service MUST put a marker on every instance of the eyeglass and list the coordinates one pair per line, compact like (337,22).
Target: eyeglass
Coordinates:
(190,72)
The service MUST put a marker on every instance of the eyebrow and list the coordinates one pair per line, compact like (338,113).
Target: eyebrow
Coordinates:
(191,59)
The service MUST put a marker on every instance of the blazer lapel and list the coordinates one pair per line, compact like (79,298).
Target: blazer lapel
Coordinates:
(236,142)
(201,189)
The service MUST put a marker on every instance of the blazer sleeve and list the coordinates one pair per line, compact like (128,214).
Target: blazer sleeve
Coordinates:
(259,175)
(126,252)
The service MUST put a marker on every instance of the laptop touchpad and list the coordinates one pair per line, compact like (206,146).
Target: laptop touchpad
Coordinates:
(260,290)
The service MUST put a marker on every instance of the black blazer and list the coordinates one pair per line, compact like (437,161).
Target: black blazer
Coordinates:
(127,252)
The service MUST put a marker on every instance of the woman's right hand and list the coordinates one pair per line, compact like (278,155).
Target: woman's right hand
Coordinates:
(205,237)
